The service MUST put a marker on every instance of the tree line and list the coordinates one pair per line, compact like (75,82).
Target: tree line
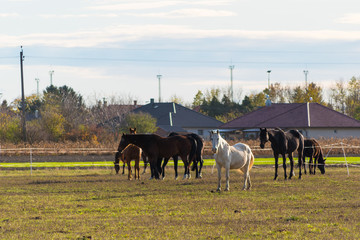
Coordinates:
(60,114)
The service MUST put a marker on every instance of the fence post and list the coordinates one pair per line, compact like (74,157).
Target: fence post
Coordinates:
(30,162)
(347,166)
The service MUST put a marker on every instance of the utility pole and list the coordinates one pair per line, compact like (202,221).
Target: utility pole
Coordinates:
(231,67)
(159,77)
(51,73)
(22,95)
(37,86)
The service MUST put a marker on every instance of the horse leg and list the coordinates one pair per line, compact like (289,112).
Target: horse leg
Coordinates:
(292,165)
(284,166)
(219,177)
(176,166)
(276,156)
(304,165)
(201,165)
(137,168)
(145,164)
(315,164)
(129,170)
(185,169)
(123,169)
(227,177)
(247,182)
(166,160)
(311,164)
(299,163)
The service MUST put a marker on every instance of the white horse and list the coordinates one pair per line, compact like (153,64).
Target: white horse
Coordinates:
(238,156)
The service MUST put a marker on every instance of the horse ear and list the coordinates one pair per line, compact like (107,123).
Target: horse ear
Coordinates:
(135,129)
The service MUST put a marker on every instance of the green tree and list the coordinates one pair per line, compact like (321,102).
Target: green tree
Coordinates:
(198,99)
(143,122)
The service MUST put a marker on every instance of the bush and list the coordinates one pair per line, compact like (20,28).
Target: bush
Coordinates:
(10,128)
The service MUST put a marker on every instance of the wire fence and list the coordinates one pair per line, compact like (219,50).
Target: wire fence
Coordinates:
(29,158)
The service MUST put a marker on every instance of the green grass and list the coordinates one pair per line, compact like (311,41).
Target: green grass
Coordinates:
(207,162)
(97,204)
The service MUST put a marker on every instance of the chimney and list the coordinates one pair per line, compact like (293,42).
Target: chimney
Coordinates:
(135,103)
(152,101)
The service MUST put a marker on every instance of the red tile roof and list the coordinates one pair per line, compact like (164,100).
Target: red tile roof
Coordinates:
(294,115)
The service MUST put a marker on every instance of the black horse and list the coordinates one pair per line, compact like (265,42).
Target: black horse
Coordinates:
(284,143)
(157,148)
(199,146)
(312,149)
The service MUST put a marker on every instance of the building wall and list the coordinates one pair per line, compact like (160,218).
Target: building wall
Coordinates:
(331,132)
(202,132)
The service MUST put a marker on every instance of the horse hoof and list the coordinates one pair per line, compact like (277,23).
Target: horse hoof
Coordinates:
(227,189)
(218,190)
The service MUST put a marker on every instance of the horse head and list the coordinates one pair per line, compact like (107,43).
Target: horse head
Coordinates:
(215,136)
(264,137)
(321,163)
(116,162)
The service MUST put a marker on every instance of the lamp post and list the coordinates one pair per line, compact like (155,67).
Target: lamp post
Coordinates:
(51,73)
(159,77)
(231,67)
(306,73)
(37,86)
(268,72)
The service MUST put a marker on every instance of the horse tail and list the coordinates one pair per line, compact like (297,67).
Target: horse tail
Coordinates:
(252,159)
(192,153)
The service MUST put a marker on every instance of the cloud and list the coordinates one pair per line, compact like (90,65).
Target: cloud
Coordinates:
(64,16)
(142,5)
(5,15)
(351,18)
(186,13)
(113,36)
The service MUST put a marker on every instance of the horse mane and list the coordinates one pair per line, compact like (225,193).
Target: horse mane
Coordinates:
(129,145)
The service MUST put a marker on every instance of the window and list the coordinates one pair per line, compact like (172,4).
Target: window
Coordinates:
(200,132)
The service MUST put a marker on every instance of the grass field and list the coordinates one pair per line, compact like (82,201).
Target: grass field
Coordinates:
(207,162)
(97,204)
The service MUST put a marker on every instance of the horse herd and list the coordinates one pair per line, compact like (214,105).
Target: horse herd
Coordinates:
(154,149)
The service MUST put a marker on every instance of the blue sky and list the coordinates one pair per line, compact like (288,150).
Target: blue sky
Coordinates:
(107,48)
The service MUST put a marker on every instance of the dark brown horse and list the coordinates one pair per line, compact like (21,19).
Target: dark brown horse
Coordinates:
(312,149)
(157,148)
(284,143)
(130,152)
(199,145)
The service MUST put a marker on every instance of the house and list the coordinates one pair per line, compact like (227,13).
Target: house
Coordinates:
(313,120)
(172,117)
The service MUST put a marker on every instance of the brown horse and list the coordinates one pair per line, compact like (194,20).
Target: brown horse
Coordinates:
(143,156)
(312,149)
(199,145)
(130,152)
(157,148)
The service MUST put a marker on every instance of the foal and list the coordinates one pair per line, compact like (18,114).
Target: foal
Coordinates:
(130,152)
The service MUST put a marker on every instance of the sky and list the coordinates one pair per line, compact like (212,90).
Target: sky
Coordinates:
(115,49)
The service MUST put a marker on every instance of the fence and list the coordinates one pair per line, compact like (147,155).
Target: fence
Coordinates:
(87,157)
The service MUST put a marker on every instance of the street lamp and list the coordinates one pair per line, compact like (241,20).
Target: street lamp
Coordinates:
(231,67)
(37,86)
(268,72)
(159,77)
(306,73)
(51,73)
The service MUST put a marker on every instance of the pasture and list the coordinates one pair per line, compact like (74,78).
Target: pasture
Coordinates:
(97,204)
